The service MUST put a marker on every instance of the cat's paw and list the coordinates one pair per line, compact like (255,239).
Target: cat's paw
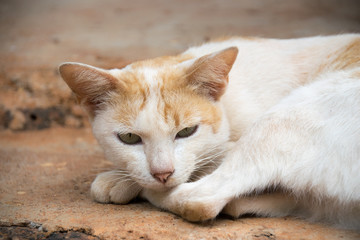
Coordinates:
(114,187)
(198,211)
(187,201)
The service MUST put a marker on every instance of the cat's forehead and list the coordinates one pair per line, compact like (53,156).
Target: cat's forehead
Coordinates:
(152,92)
(155,97)
(161,62)
(151,77)
(149,80)
(156,71)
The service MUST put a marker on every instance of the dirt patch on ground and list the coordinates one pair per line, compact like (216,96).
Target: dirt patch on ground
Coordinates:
(35,231)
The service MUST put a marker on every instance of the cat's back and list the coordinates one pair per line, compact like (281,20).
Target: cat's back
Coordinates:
(300,55)
(267,70)
(282,64)
(252,46)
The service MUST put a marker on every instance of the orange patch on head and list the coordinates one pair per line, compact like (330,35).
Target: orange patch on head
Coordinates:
(184,107)
(171,94)
(131,98)
(181,104)
(127,108)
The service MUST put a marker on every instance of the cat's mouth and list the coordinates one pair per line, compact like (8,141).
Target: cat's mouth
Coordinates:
(159,186)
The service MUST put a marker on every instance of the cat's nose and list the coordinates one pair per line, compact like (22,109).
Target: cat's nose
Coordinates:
(162,177)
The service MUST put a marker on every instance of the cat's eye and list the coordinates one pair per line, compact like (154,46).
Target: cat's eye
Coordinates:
(186,132)
(129,138)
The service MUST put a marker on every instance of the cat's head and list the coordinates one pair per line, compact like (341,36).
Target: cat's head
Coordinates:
(158,120)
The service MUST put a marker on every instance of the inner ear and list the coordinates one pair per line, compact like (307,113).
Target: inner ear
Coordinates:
(209,74)
(91,85)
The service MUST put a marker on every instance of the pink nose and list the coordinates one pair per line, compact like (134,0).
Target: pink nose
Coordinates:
(162,177)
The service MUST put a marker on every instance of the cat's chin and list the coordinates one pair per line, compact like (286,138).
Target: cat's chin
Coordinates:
(158,187)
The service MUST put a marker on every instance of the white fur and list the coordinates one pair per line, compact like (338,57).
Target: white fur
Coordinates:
(291,127)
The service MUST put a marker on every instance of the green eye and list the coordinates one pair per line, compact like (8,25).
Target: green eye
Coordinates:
(186,132)
(129,138)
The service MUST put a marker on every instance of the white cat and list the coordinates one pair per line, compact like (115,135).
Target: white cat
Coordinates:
(270,127)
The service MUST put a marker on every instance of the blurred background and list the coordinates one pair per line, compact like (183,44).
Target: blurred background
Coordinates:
(36,36)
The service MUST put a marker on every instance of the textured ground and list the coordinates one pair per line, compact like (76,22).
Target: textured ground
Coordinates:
(45,174)
(44,182)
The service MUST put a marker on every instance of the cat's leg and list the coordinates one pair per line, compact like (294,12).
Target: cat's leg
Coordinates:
(253,164)
(114,187)
(204,199)
(277,204)
(245,169)
(239,174)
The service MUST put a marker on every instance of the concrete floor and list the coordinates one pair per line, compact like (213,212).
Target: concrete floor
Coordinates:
(45,174)
(44,184)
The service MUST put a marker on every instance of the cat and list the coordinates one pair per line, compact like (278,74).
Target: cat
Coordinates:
(239,125)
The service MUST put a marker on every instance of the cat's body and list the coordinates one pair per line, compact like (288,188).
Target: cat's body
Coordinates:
(271,113)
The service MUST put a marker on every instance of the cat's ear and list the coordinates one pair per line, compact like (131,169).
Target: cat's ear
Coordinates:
(91,85)
(209,74)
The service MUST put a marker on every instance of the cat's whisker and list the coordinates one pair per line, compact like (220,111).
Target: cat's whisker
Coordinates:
(209,158)
(133,184)
(121,177)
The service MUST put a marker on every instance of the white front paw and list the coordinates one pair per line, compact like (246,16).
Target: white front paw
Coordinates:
(198,205)
(188,201)
(115,187)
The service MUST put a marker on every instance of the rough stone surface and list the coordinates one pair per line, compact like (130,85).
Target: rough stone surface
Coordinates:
(45,174)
